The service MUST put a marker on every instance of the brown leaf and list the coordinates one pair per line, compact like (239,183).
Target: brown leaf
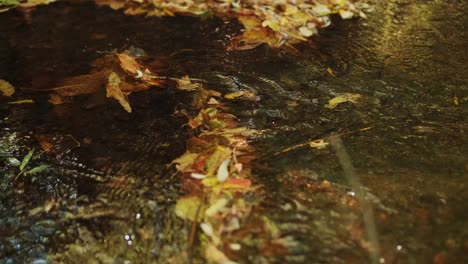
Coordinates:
(254,35)
(137,71)
(186,84)
(82,84)
(56,99)
(114,91)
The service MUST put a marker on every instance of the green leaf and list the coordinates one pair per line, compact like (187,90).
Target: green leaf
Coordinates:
(26,160)
(190,208)
(8,2)
(25,101)
(37,169)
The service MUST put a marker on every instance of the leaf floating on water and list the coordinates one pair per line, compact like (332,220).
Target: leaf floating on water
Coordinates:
(6,88)
(234,95)
(82,84)
(343,98)
(25,101)
(318,144)
(114,91)
(128,64)
(186,84)
(189,208)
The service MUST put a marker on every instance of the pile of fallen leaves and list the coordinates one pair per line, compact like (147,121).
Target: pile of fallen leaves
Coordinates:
(266,21)
(219,196)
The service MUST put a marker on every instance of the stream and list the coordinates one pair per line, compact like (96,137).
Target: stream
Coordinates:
(109,193)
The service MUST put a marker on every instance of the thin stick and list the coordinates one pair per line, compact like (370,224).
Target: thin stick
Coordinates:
(308,142)
(367,210)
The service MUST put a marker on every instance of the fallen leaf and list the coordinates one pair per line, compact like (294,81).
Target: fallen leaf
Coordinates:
(234,95)
(197,176)
(236,183)
(186,84)
(216,207)
(207,228)
(111,3)
(214,161)
(342,98)
(26,160)
(56,99)
(223,171)
(254,35)
(189,208)
(36,169)
(318,144)
(210,182)
(212,253)
(185,161)
(115,92)
(82,84)
(25,101)
(6,88)
(129,64)
(331,72)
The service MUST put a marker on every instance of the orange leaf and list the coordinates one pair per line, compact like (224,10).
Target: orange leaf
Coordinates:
(237,183)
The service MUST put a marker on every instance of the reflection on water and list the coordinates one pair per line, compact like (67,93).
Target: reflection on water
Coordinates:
(407,61)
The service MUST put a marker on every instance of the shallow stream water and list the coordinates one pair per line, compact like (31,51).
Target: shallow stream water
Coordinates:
(108,196)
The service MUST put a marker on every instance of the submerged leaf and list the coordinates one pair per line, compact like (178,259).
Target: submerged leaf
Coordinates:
(6,88)
(186,84)
(318,144)
(26,160)
(342,98)
(82,84)
(37,169)
(189,208)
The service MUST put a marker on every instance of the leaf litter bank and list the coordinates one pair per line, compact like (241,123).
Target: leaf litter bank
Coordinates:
(275,23)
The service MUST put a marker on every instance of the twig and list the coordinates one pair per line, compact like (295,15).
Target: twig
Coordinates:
(367,210)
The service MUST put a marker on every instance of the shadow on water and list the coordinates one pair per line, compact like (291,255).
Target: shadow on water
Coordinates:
(111,197)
